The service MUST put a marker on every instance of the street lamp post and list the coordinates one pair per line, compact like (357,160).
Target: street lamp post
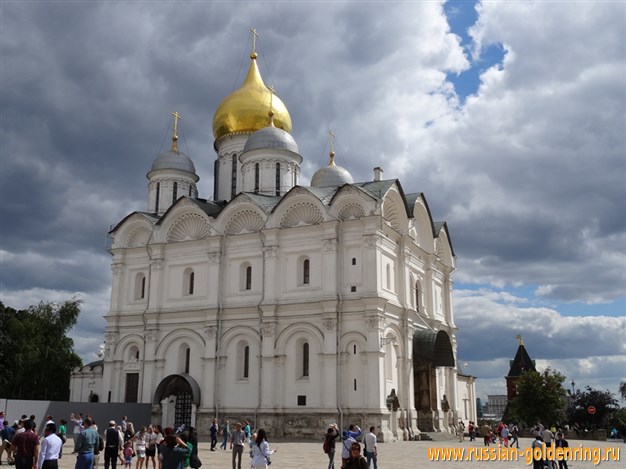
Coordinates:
(573,384)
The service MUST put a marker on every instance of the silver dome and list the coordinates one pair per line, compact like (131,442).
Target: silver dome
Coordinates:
(173,160)
(271,138)
(330,176)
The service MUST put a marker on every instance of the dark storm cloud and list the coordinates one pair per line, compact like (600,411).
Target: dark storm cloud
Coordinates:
(529,173)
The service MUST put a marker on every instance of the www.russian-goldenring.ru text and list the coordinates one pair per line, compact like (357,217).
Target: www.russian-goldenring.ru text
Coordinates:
(595,455)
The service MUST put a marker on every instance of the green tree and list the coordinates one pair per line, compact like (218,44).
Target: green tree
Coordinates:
(604,403)
(622,390)
(37,355)
(540,398)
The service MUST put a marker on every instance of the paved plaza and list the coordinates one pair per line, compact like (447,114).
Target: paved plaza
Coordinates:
(398,455)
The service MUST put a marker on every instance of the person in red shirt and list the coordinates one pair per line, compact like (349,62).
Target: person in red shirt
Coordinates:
(27,446)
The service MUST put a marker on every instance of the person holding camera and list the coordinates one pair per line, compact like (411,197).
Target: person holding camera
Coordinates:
(261,451)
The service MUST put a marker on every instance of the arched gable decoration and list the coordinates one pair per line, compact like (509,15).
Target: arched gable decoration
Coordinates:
(190,226)
(134,231)
(245,221)
(303,213)
(174,384)
(433,347)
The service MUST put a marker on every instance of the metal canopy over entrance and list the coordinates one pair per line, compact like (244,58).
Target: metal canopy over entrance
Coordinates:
(433,347)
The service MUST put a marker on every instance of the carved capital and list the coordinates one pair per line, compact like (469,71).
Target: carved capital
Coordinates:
(214,257)
(375,323)
(117,268)
(268,329)
(152,334)
(329,245)
(371,241)
(156,265)
(329,324)
(210,332)
(270,252)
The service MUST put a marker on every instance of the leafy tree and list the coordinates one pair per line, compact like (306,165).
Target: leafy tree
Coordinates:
(622,390)
(540,398)
(37,356)
(604,403)
(618,421)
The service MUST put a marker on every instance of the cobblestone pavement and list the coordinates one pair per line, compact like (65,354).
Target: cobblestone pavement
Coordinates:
(397,455)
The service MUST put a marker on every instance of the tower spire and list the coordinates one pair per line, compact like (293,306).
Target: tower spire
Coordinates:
(176,116)
(519,337)
(332,148)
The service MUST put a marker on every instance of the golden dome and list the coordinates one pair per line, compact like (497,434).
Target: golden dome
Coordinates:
(246,109)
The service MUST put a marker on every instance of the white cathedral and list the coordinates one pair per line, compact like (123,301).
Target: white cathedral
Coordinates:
(291,306)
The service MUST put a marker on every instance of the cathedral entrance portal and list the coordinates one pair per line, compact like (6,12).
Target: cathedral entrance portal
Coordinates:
(430,350)
(178,396)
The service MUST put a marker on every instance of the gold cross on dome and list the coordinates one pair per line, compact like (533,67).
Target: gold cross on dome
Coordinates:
(175,131)
(176,119)
(254,36)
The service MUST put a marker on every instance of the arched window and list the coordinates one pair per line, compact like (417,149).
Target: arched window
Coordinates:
(187,356)
(388,276)
(249,277)
(189,191)
(277,178)
(256,177)
(158,196)
(189,280)
(246,361)
(305,360)
(306,272)
(175,192)
(233,186)
(416,300)
(140,286)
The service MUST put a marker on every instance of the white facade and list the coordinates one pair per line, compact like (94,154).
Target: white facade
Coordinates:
(291,310)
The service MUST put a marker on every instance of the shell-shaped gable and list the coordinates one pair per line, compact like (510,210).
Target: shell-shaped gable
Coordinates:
(443,246)
(188,227)
(394,208)
(244,221)
(134,231)
(351,202)
(423,223)
(302,213)
(351,211)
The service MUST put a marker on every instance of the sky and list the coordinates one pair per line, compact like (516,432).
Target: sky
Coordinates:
(509,116)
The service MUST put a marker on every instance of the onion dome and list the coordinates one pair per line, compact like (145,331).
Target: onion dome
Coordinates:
(246,109)
(271,137)
(331,175)
(173,158)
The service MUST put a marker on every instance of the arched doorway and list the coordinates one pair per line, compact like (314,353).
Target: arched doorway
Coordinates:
(178,396)
(430,350)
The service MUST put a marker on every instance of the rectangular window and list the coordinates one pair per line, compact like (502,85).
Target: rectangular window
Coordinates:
(256,177)
(132,387)
(353,289)
(301,400)
(305,360)
(277,179)
(216,179)
(306,272)
(233,189)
